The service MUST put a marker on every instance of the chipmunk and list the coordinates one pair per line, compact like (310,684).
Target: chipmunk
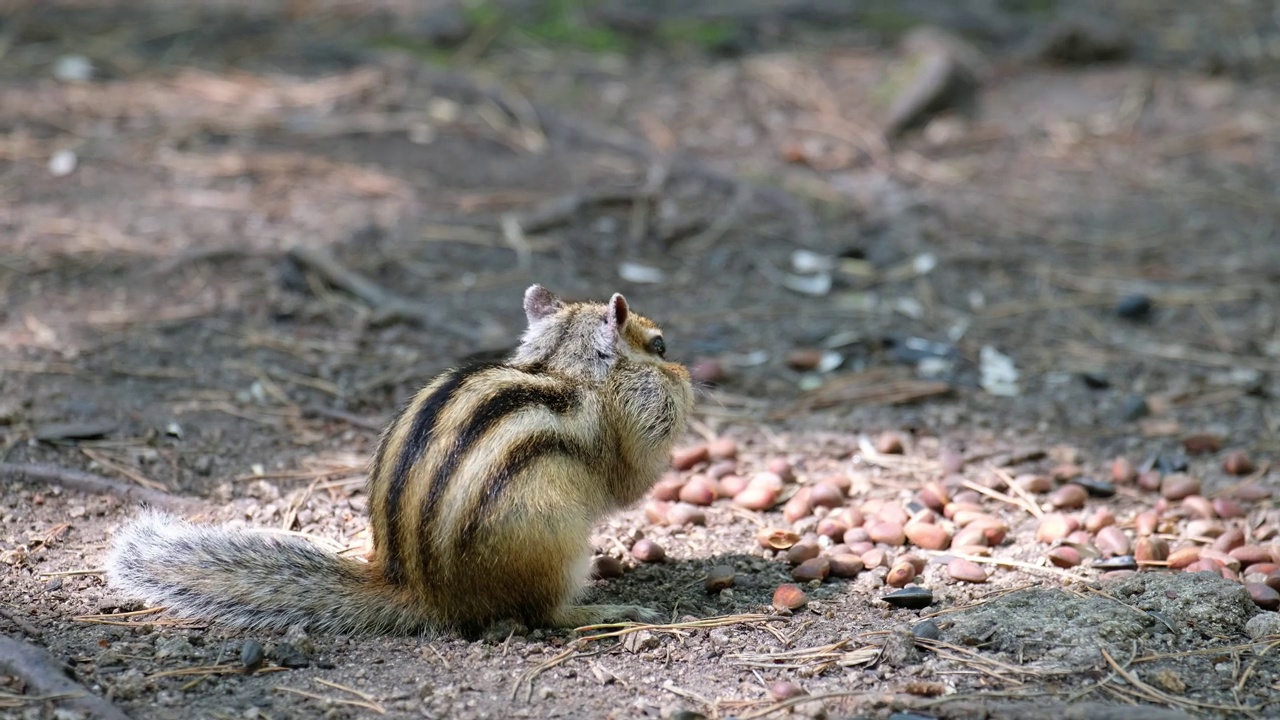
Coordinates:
(483,492)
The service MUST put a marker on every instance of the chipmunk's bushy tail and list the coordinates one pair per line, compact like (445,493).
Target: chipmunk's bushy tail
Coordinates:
(253,580)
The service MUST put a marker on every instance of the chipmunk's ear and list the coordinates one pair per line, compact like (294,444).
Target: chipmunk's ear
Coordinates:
(616,316)
(540,303)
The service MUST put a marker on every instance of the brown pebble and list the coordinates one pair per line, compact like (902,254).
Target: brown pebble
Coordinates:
(768,480)
(1034,484)
(934,496)
(1221,557)
(1183,556)
(852,517)
(1080,537)
(708,371)
(1064,556)
(802,551)
(993,529)
(1068,497)
(1252,492)
(951,460)
(1147,549)
(900,574)
(889,443)
(605,566)
(1202,443)
(976,550)
(781,467)
(1178,486)
(1116,574)
(719,577)
(1263,596)
(861,548)
(655,511)
(1251,555)
(700,490)
(972,535)
(804,359)
(668,487)
(1123,472)
(846,565)
(1237,463)
(685,458)
(916,561)
(825,495)
(928,536)
(1066,472)
(1205,529)
(731,485)
(721,469)
(1099,519)
(1227,508)
(783,690)
(682,514)
(1111,541)
(966,571)
(856,535)
(874,558)
(1229,540)
(1204,566)
(832,527)
(812,569)
(840,481)
(798,506)
(963,518)
(889,533)
(893,513)
(1055,527)
(1146,522)
(722,448)
(1199,507)
(776,538)
(1273,581)
(1265,568)
(756,498)
(789,597)
(1149,480)
(648,551)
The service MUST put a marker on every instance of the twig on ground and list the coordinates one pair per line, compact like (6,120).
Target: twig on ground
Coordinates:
(387,306)
(342,415)
(88,482)
(12,616)
(43,675)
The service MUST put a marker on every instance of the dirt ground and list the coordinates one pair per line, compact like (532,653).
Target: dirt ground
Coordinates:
(167,321)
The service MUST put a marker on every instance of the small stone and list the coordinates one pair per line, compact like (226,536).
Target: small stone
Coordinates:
(1064,556)
(928,536)
(927,630)
(833,528)
(912,597)
(769,480)
(900,574)
(1134,307)
(1263,596)
(800,552)
(648,551)
(722,448)
(1199,507)
(90,430)
(1237,463)
(966,571)
(916,561)
(1149,480)
(1111,540)
(1035,484)
(776,538)
(893,513)
(1119,562)
(1095,380)
(1066,472)
(969,537)
(682,514)
(781,467)
(889,533)
(686,458)
(846,565)
(1101,518)
(1123,472)
(286,655)
(800,505)
(604,567)
(731,485)
(251,656)
(1069,497)
(934,496)
(54,584)
(826,495)
(1263,625)
(655,511)
(1250,555)
(889,443)
(812,569)
(1252,492)
(1095,487)
(1149,549)
(789,597)
(1146,522)
(668,487)
(1202,443)
(1179,486)
(1204,529)
(951,460)
(721,469)
(1227,508)
(874,558)
(1184,556)
(756,498)
(1229,540)
(1134,407)
(700,490)
(719,577)
(783,690)
(804,359)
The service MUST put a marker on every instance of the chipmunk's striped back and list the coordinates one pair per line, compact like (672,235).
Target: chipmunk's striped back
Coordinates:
(482,491)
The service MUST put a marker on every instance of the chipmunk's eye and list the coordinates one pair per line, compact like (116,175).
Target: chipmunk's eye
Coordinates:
(658,347)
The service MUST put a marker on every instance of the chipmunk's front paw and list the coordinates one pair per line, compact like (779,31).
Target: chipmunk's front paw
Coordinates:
(578,615)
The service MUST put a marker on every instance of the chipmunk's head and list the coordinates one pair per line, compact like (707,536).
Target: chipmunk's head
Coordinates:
(588,338)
